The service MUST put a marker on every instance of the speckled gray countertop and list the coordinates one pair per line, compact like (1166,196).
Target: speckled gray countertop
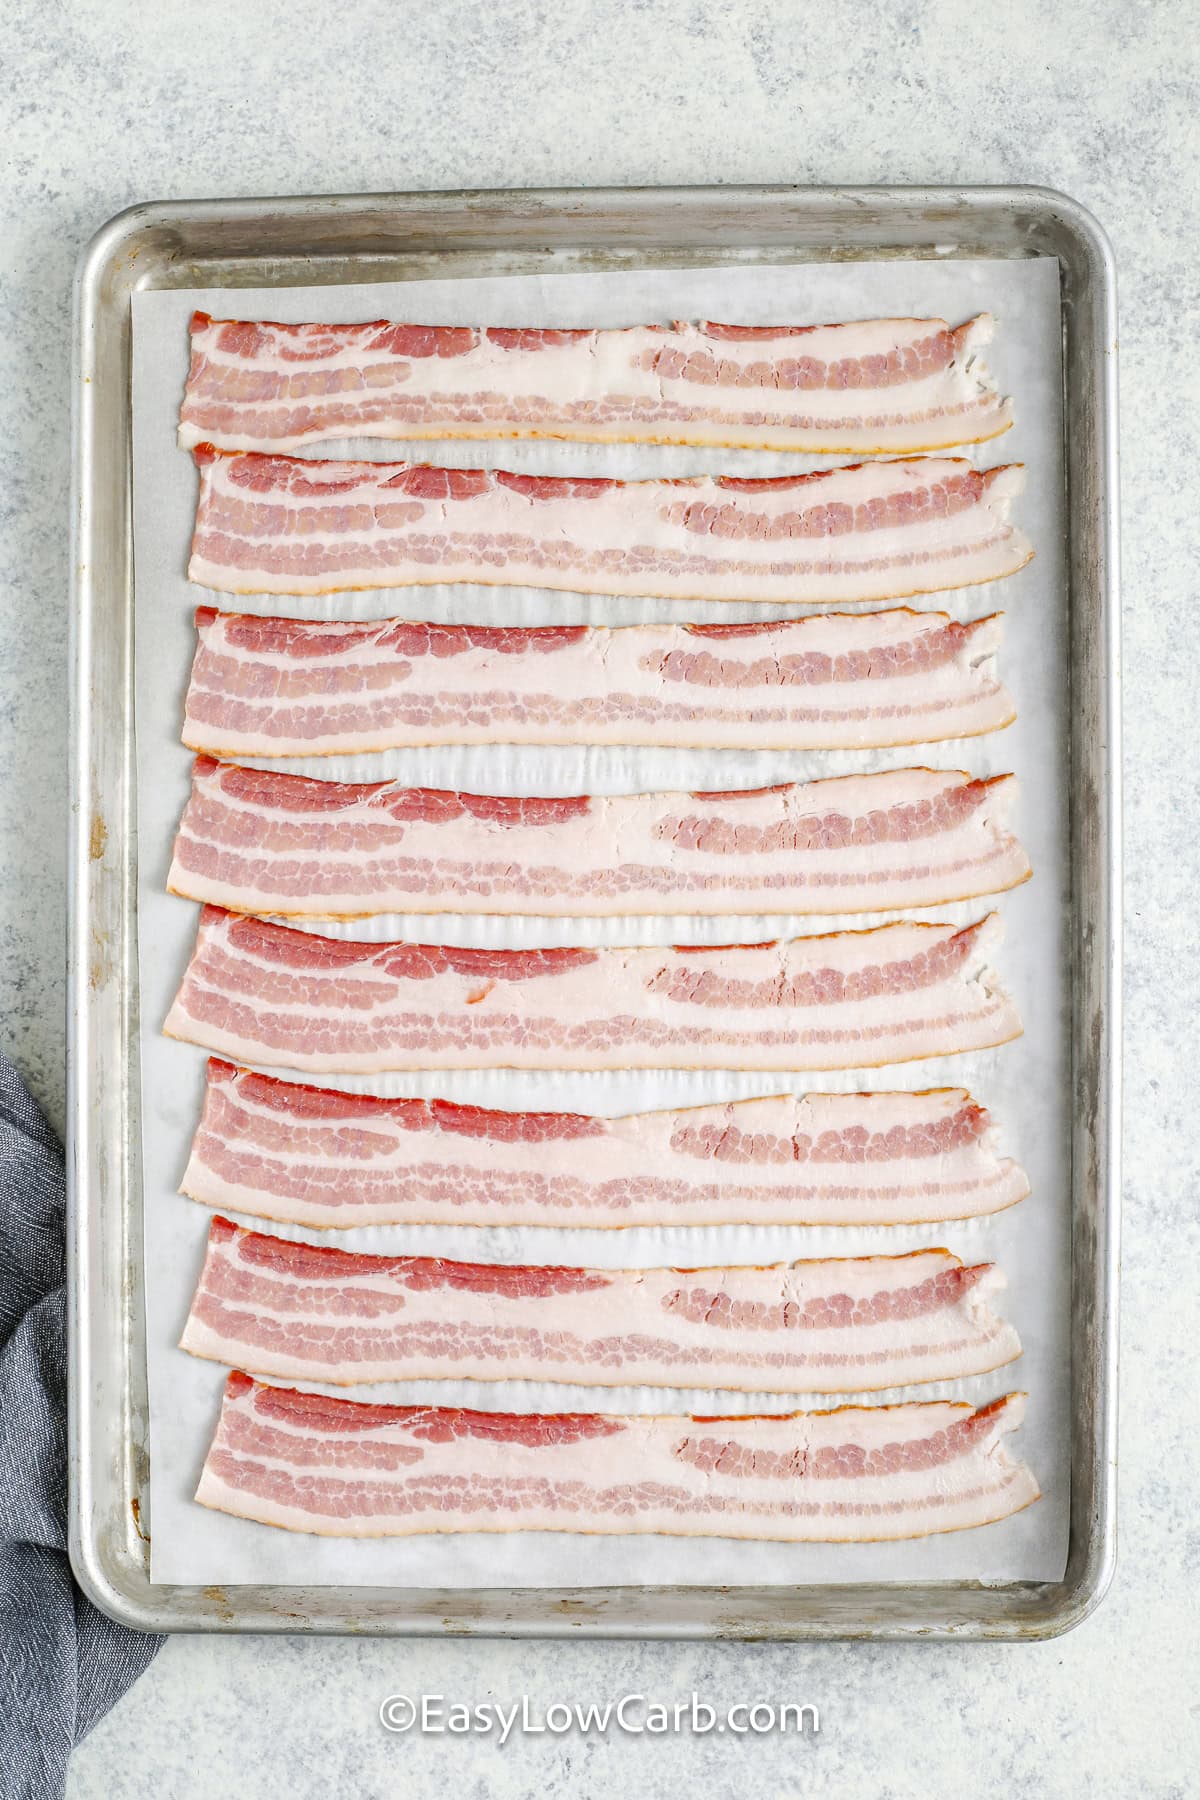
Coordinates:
(106,103)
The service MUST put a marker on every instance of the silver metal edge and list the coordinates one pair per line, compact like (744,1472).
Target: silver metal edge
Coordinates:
(110,1563)
(1090,368)
(97,1407)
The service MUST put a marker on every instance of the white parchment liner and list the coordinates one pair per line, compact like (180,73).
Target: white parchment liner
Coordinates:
(1025,1084)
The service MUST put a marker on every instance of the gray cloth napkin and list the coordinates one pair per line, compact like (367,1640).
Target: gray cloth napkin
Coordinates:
(62,1663)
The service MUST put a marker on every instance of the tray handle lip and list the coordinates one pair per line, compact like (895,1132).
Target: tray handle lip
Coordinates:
(123,236)
(125,1594)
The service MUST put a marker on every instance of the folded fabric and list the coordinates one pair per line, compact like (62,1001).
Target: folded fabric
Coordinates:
(62,1662)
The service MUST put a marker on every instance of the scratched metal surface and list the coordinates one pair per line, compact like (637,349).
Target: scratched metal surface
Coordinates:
(393,237)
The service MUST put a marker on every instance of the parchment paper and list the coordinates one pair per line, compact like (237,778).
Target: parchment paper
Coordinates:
(1025,1084)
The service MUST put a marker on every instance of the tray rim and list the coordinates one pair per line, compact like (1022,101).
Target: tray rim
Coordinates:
(108,1472)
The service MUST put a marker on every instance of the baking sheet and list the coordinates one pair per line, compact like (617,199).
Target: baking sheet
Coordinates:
(1026,1084)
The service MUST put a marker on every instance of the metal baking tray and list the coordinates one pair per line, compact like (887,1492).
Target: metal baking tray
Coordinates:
(359,238)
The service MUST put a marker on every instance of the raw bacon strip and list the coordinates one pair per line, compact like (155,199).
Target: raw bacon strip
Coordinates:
(255,840)
(293,687)
(340,1468)
(281,1308)
(875,531)
(853,999)
(884,384)
(321,1157)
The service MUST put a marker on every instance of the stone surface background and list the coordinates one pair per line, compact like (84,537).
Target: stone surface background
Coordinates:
(104,103)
